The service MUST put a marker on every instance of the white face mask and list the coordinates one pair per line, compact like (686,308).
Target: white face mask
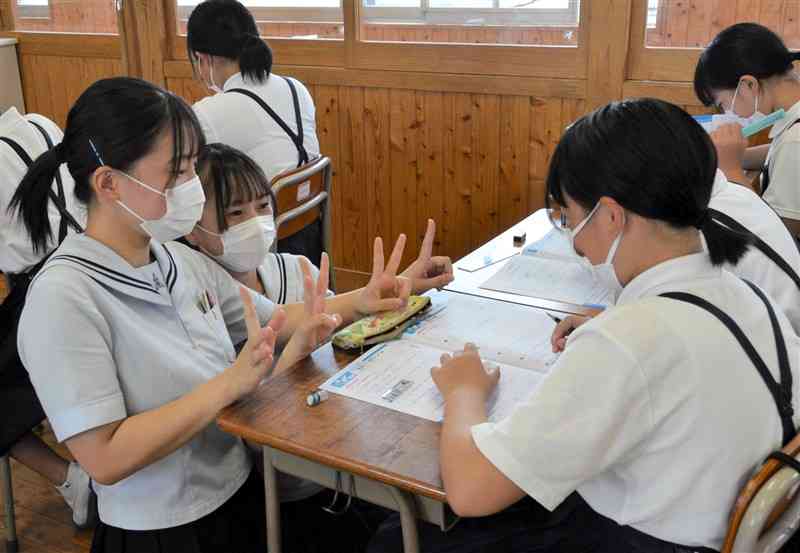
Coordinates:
(184,208)
(246,245)
(604,272)
(730,114)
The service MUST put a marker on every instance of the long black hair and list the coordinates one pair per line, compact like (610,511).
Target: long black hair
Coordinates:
(742,49)
(115,122)
(227,29)
(230,175)
(653,159)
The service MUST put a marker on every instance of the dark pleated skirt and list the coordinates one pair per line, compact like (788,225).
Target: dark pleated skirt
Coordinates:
(19,406)
(239,526)
(307,242)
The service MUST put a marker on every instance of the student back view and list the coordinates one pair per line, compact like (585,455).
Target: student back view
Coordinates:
(268,117)
(774,263)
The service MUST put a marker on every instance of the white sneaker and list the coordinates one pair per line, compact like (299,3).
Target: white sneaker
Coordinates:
(78,494)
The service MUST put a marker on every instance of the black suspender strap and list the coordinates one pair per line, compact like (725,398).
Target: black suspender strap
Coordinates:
(762,246)
(296,138)
(785,459)
(58,200)
(781,392)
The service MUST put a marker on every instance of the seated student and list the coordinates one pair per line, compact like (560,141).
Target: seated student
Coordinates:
(238,227)
(748,71)
(128,337)
(268,117)
(773,264)
(653,416)
(21,139)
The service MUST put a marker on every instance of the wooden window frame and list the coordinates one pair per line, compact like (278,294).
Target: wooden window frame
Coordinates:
(556,62)
(647,63)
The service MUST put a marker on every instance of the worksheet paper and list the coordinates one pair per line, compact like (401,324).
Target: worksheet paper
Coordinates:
(549,269)
(396,374)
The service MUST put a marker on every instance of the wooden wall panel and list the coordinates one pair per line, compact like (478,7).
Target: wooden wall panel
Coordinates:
(51,84)
(476,163)
(694,23)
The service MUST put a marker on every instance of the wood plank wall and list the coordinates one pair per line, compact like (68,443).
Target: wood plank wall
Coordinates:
(693,23)
(52,83)
(476,163)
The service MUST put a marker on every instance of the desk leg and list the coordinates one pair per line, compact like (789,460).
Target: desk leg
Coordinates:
(273,503)
(408,519)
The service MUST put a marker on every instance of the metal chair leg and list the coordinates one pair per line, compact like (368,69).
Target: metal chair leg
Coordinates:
(12,545)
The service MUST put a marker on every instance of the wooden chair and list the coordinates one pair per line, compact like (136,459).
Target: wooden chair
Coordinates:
(12,546)
(766,513)
(303,196)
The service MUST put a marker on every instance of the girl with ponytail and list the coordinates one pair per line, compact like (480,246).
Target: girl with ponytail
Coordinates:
(128,337)
(269,118)
(638,427)
(747,71)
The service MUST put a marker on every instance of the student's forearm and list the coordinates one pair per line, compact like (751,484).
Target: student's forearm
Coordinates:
(755,157)
(473,484)
(116,451)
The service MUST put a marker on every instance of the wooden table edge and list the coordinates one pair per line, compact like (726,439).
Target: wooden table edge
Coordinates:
(335,462)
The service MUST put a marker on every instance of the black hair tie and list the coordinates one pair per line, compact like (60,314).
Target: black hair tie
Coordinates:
(249,40)
(61,152)
(703,220)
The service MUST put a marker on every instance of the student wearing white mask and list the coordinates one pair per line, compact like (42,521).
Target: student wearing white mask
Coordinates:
(237,229)
(129,338)
(748,72)
(269,117)
(655,413)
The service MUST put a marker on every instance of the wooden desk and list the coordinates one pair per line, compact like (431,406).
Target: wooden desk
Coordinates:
(379,455)
(535,226)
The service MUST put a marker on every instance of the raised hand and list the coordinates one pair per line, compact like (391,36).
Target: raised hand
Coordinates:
(316,326)
(429,271)
(385,290)
(255,361)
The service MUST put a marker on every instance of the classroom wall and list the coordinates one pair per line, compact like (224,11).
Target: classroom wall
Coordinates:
(470,151)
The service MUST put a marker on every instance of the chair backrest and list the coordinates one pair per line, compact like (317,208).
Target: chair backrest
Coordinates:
(303,196)
(767,512)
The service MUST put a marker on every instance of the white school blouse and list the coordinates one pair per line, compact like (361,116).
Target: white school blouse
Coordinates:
(238,121)
(783,161)
(653,413)
(103,341)
(16,251)
(744,205)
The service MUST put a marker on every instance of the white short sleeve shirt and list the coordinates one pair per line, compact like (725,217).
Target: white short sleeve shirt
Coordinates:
(282,277)
(783,160)
(238,121)
(103,341)
(16,251)
(743,205)
(653,413)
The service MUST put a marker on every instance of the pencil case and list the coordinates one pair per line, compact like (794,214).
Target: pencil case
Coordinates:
(380,327)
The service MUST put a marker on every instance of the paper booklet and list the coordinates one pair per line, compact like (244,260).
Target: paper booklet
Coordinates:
(396,374)
(550,269)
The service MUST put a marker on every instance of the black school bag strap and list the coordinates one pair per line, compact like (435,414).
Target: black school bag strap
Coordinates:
(781,391)
(57,199)
(296,138)
(762,246)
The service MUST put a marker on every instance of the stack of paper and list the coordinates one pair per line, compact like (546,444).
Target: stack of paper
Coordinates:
(550,269)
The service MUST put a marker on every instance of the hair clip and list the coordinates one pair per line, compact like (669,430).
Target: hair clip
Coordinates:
(96,153)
